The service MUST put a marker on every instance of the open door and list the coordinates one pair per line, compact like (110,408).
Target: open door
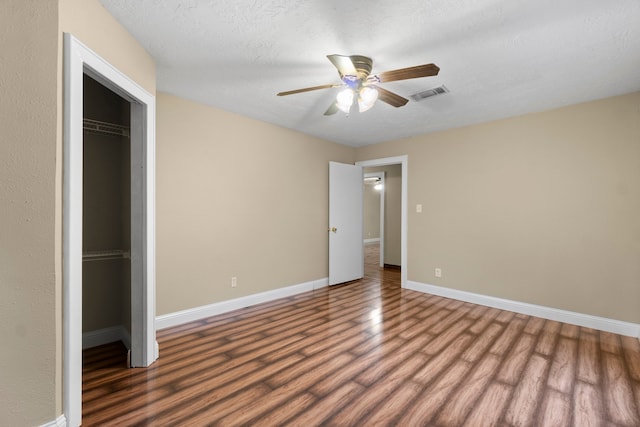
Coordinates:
(346,255)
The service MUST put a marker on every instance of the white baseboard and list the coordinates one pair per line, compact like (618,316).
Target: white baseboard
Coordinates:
(105,336)
(579,319)
(202,312)
(61,421)
(374,240)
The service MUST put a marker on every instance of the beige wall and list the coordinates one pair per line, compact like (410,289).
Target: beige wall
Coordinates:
(393,215)
(90,23)
(543,208)
(28,275)
(371,211)
(31,194)
(236,197)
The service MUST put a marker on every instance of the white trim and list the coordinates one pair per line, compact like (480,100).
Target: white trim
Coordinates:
(80,60)
(383,195)
(404,161)
(202,312)
(105,336)
(374,240)
(72,234)
(61,421)
(580,319)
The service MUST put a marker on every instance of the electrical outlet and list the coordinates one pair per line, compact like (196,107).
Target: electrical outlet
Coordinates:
(438,272)
(234,282)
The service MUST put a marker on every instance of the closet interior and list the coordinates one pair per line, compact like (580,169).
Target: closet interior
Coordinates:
(106,242)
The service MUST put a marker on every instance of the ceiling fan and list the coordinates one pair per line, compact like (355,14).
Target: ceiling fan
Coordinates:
(355,73)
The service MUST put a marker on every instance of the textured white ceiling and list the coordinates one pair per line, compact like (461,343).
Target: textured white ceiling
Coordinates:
(498,58)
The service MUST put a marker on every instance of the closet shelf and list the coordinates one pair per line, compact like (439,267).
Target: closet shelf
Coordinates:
(104,255)
(105,128)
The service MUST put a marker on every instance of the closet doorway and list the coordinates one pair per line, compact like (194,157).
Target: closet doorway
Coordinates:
(106,217)
(80,62)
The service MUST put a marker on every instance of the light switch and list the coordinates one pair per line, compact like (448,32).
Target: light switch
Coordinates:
(419,208)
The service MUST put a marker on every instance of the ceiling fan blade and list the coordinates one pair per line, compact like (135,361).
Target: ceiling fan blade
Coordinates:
(390,98)
(425,70)
(333,108)
(363,66)
(307,89)
(354,65)
(344,64)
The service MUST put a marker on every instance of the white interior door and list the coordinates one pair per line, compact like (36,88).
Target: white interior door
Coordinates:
(346,256)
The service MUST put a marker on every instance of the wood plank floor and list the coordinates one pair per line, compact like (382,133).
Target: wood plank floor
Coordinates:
(370,353)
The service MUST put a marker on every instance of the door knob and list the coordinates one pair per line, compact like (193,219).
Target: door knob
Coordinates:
(332,229)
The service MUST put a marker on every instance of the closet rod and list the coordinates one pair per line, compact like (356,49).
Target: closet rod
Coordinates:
(105,128)
(104,255)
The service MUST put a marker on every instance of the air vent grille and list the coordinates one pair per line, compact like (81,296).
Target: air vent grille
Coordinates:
(429,93)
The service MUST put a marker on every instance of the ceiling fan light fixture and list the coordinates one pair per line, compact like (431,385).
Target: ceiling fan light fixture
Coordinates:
(357,80)
(344,100)
(367,98)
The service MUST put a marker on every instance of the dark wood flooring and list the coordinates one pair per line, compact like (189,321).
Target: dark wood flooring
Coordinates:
(369,353)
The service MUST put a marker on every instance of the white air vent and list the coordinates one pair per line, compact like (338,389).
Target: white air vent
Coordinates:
(429,93)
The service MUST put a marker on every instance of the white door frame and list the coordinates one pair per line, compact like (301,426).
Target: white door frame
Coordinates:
(80,60)
(403,161)
(380,175)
